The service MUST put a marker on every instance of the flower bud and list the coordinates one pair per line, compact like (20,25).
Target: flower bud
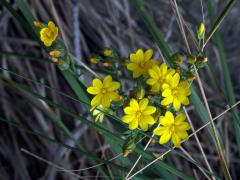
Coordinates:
(37,24)
(190,76)
(128,147)
(107,52)
(93,60)
(140,93)
(201,31)
(191,59)
(177,69)
(54,60)
(107,63)
(55,53)
(177,58)
(202,60)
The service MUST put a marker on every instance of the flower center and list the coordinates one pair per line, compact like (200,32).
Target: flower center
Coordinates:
(142,64)
(138,114)
(172,128)
(174,91)
(104,91)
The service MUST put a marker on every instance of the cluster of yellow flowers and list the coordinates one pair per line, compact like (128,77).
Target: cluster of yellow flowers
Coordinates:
(163,90)
(163,81)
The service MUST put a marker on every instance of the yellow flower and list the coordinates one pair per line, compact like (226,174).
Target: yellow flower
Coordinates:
(141,62)
(139,114)
(175,92)
(172,128)
(104,91)
(158,76)
(49,34)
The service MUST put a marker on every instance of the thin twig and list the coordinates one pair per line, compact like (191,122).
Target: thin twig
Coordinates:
(191,158)
(198,142)
(218,145)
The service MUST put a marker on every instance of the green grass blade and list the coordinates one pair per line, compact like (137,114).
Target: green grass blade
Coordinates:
(223,61)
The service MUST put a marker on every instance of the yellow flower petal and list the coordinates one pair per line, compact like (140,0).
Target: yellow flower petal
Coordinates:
(134,124)
(184,126)
(143,104)
(176,104)
(148,54)
(132,66)
(169,117)
(147,119)
(159,131)
(184,101)
(114,86)
(165,86)
(176,140)
(134,58)
(114,96)
(96,100)
(165,138)
(180,118)
(51,25)
(127,118)
(153,74)
(129,110)
(151,81)
(149,110)
(167,100)
(139,55)
(134,104)
(105,101)
(156,87)
(97,83)
(143,126)
(93,90)
(107,81)
(175,80)
(166,93)
(163,69)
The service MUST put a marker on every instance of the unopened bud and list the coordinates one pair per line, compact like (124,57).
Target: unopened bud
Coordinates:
(202,60)
(54,60)
(37,24)
(201,31)
(55,53)
(177,58)
(191,59)
(128,148)
(107,52)
(190,76)
(140,93)
(93,60)
(107,64)
(177,69)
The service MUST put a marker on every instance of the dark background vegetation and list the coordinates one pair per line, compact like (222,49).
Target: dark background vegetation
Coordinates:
(99,24)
